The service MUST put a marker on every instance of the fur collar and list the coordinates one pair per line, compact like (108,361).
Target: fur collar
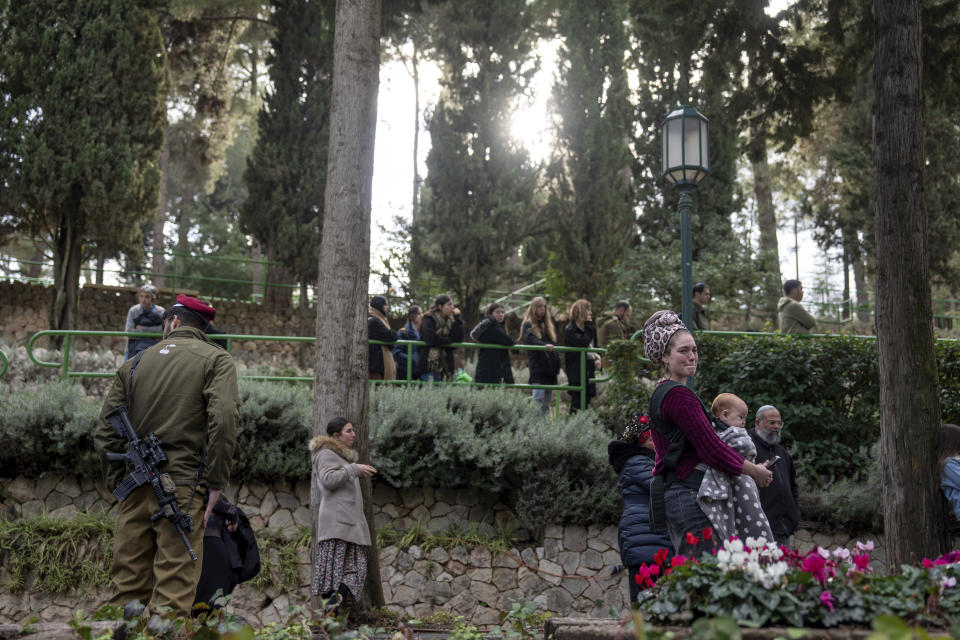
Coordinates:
(326,442)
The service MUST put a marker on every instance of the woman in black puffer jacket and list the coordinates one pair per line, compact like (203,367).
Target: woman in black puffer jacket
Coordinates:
(632,458)
(493,365)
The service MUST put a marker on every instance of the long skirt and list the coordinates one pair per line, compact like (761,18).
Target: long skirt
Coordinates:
(339,562)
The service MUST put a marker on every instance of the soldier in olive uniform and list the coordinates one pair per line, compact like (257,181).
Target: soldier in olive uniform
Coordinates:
(184,390)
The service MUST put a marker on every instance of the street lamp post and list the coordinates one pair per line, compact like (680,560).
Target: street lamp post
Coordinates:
(685,163)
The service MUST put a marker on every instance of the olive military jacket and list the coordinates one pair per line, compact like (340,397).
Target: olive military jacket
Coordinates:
(185,392)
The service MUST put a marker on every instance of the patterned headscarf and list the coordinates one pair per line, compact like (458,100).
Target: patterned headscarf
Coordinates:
(657,331)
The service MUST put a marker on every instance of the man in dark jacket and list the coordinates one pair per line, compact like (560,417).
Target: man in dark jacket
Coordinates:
(779,499)
(183,390)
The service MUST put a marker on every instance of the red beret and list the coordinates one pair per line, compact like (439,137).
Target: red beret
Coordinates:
(204,310)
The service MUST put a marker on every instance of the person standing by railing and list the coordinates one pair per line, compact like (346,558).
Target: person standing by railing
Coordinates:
(441,327)
(537,329)
(580,332)
(381,365)
(144,317)
(493,365)
(410,331)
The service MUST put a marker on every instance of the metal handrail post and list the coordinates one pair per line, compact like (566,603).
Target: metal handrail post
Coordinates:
(65,369)
(583,380)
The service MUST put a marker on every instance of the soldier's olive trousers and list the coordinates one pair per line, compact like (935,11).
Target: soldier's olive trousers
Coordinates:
(150,561)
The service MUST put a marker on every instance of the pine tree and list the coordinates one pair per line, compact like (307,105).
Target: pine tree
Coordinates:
(81,122)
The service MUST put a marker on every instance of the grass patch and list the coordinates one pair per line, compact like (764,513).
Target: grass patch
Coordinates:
(470,536)
(60,555)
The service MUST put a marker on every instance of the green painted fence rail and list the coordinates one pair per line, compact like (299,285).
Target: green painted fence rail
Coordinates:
(65,373)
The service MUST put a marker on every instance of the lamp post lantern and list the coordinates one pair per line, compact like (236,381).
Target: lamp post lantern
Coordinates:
(685,163)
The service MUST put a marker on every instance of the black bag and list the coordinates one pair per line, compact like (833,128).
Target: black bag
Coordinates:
(241,545)
(247,548)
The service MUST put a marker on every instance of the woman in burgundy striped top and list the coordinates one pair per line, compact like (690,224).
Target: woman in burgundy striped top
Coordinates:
(669,344)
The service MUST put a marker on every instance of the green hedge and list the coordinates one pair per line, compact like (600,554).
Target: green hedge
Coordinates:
(826,388)
(552,472)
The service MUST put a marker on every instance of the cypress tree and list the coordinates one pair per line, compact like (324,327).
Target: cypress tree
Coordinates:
(81,119)
(286,174)
(591,200)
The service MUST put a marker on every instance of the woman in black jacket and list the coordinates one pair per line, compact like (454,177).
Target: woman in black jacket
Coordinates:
(440,327)
(493,365)
(537,329)
(632,458)
(381,365)
(580,332)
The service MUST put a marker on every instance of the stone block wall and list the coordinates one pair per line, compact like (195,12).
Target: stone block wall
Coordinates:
(567,571)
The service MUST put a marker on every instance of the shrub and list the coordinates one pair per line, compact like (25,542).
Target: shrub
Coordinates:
(552,472)
(274,430)
(47,428)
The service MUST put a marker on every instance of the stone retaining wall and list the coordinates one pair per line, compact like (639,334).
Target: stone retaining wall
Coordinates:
(568,571)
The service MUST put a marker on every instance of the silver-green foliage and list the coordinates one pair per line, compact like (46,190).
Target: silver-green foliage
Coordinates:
(46,428)
(552,471)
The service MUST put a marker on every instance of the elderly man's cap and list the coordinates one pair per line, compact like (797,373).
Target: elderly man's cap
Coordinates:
(199,307)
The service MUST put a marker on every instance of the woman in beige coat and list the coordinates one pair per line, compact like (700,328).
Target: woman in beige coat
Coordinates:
(341,563)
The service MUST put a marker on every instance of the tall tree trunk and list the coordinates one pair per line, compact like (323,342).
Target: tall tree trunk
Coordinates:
(340,373)
(36,264)
(101,259)
(909,402)
(766,216)
(305,326)
(256,269)
(160,218)
(67,260)
(860,284)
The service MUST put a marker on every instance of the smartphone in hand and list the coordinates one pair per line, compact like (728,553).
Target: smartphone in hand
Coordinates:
(772,461)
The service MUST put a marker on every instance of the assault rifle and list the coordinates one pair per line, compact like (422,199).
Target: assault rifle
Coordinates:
(144,456)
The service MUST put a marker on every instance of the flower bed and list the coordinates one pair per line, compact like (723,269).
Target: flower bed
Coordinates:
(762,585)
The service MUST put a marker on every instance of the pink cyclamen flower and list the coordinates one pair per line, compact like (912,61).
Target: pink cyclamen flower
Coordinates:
(861,562)
(927,563)
(815,564)
(825,554)
(827,599)
(946,582)
(865,546)
(677,560)
(841,553)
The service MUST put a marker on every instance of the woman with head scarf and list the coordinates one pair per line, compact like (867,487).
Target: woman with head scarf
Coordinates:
(143,317)
(493,365)
(441,327)
(580,332)
(632,458)
(685,440)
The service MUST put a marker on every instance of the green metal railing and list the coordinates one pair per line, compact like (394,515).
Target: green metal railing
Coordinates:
(4,363)
(65,373)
